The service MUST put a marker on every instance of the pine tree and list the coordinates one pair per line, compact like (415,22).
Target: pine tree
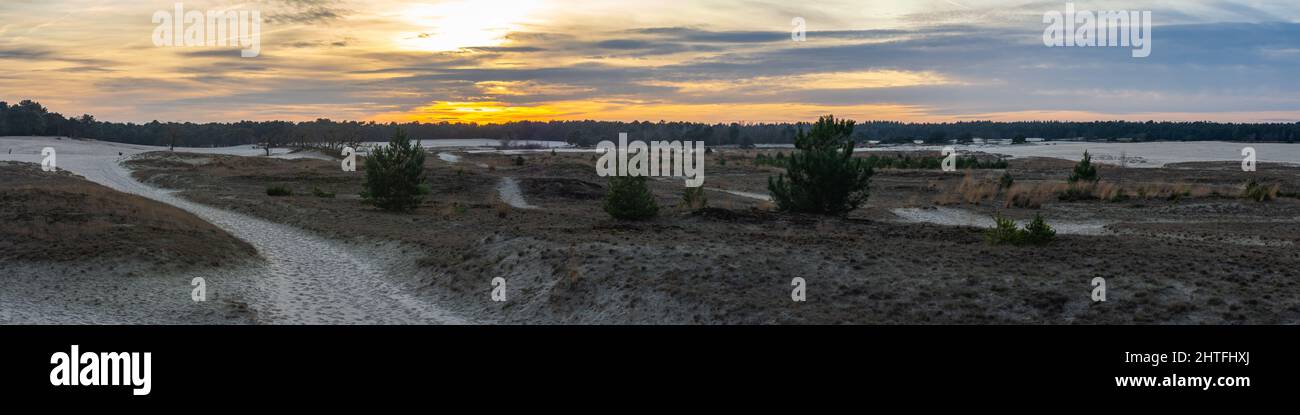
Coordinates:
(822,176)
(395,175)
(629,198)
(694,198)
(1039,232)
(1084,170)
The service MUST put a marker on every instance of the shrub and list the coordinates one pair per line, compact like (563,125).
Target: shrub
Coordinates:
(1006,180)
(1175,195)
(395,175)
(1005,232)
(278,191)
(502,208)
(519,160)
(629,198)
(1260,192)
(775,161)
(1078,192)
(1084,171)
(1038,232)
(316,191)
(822,176)
(694,198)
(456,208)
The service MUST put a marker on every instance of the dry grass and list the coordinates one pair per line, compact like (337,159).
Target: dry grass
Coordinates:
(969,191)
(1032,195)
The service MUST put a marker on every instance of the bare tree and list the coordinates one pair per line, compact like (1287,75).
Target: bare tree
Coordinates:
(269,143)
(171,138)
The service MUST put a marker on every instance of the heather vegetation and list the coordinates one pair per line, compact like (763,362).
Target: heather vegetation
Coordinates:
(903,162)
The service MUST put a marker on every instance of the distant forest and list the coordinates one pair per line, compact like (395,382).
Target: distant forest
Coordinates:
(30,118)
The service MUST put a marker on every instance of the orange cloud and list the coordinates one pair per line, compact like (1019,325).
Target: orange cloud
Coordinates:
(498,112)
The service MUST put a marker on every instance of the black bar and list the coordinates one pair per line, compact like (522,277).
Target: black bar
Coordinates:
(292,363)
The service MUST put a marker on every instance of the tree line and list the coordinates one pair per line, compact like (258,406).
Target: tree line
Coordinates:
(31,118)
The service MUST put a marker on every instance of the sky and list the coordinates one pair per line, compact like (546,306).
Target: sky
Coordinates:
(703,60)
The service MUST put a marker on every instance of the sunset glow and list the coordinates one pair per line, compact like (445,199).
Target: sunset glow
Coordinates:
(728,61)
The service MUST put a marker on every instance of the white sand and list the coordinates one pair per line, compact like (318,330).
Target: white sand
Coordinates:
(510,193)
(755,196)
(962,217)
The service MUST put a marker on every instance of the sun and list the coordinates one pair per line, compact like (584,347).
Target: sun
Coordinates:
(457,24)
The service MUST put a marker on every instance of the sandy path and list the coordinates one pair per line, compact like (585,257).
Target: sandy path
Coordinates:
(306,279)
(448,157)
(510,193)
(750,195)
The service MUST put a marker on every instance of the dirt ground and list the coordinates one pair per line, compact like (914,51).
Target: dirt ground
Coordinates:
(61,217)
(1181,248)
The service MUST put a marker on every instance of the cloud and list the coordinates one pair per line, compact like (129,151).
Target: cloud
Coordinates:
(304,11)
(930,60)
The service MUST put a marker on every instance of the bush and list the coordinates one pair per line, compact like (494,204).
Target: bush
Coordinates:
(316,191)
(1038,232)
(519,160)
(1006,180)
(694,198)
(629,198)
(1077,193)
(1005,232)
(1260,192)
(278,191)
(822,176)
(1084,171)
(395,175)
